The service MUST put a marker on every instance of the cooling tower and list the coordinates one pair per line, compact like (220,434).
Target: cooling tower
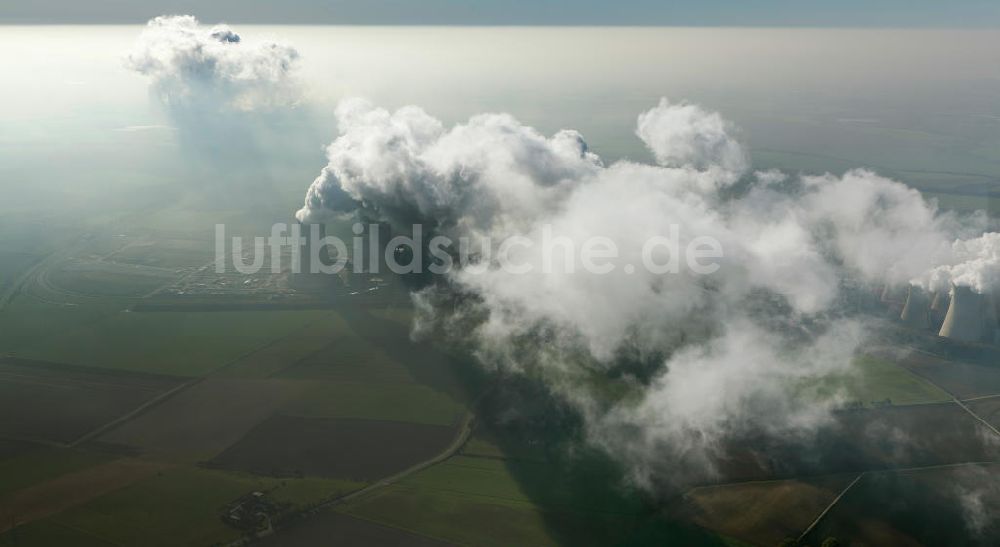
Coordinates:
(939,306)
(306,279)
(313,237)
(991,333)
(916,311)
(966,318)
(893,294)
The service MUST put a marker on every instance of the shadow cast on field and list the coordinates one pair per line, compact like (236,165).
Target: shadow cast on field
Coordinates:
(582,494)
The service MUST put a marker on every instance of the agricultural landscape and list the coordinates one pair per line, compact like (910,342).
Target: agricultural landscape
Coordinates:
(822,370)
(120,424)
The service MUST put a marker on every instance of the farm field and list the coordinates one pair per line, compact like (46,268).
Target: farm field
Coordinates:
(25,464)
(61,403)
(151,511)
(412,402)
(873,380)
(963,380)
(859,440)
(486,501)
(344,448)
(987,409)
(72,489)
(319,406)
(203,420)
(919,507)
(761,512)
(349,531)
(285,352)
(106,335)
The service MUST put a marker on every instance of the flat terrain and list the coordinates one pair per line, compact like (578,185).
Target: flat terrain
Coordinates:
(179,506)
(203,420)
(859,440)
(72,489)
(61,403)
(100,279)
(963,380)
(947,506)
(32,464)
(498,502)
(319,407)
(166,253)
(764,512)
(987,409)
(872,380)
(12,266)
(105,334)
(321,529)
(344,448)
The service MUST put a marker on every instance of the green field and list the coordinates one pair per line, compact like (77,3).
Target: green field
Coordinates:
(488,501)
(872,380)
(182,507)
(105,334)
(332,373)
(761,512)
(40,463)
(398,402)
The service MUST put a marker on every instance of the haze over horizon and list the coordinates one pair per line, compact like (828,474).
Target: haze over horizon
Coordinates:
(773,13)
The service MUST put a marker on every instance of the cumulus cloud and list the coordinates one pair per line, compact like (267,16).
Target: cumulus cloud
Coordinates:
(685,135)
(973,263)
(193,66)
(406,166)
(697,355)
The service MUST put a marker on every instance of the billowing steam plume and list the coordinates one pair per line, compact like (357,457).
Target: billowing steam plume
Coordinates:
(973,263)
(193,66)
(699,356)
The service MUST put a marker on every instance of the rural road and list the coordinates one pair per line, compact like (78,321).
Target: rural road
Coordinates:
(464,430)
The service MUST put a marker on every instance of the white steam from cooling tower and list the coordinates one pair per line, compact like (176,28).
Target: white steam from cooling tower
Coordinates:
(192,66)
(971,316)
(721,366)
(723,347)
(968,278)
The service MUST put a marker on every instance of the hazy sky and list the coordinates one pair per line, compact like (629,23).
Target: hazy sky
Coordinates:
(893,13)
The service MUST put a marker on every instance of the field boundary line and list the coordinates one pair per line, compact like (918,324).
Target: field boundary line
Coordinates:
(976,416)
(816,522)
(980,398)
(954,397)
(161,398)
(100,430)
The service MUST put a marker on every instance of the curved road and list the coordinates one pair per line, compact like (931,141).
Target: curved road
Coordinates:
(464,430)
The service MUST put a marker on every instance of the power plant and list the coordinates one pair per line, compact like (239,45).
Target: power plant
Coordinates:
(893,294)
(305,278)
(971,316)
(939,307)
(916,311)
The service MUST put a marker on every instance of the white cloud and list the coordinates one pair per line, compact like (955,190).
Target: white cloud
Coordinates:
(723,347)
(212,68)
